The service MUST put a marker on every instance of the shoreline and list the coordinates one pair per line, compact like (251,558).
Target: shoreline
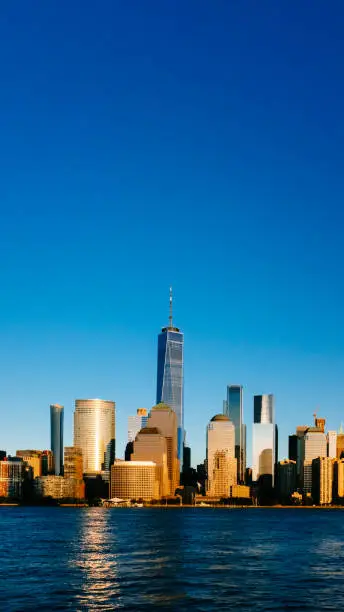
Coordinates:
(176,507)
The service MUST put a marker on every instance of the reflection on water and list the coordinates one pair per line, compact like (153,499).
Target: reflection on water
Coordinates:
(177,559)
(95,556)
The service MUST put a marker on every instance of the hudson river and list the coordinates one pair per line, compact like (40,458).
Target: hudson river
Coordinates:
(174,559)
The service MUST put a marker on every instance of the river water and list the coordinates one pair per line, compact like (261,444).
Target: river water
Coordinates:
(171,559)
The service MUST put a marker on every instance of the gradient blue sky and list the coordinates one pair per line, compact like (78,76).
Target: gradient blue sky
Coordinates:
(143,144)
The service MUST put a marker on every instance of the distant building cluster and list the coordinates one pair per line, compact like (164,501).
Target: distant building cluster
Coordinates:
(157,467)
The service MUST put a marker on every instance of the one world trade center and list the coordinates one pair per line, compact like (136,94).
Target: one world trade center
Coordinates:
(170,377)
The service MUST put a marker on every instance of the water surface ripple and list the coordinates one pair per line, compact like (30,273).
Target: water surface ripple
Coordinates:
(174,559)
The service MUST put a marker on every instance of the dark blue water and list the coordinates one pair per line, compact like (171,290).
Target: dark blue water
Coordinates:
(176,559)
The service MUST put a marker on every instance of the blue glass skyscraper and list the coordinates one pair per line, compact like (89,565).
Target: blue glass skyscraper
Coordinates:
(233,408)
(56,431)
(170,375)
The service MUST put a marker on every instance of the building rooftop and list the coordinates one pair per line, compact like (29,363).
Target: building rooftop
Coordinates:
(149,430)
(133,464)
(220,417)
(161,406)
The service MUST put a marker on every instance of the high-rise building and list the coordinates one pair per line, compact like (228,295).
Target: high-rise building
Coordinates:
(137,422)
(264,438)
(165,420)
(56,436)
(221,462)
(94,433)
(233,408)
(332,444)
(292,447)
(151,445)
(286,478)
(314,444)
(73,463)
(322,480)
(47,462)
(73,472)
(300,433)
(338,476)
(134,480)
(33,458)
(170,374)
(340,443)
(12,471)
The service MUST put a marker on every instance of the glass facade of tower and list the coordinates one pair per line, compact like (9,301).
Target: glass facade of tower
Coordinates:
(264,438)
(94,433)
(56,437)
(233,408)
(170,377)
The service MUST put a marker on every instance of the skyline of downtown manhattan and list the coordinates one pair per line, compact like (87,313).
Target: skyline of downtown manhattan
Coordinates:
(192,146)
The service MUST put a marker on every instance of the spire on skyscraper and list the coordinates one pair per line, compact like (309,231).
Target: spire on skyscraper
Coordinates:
(170,318)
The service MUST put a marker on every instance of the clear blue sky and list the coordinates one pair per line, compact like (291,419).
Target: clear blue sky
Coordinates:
(192,143)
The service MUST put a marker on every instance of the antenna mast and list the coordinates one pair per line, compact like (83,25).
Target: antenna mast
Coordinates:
(171,305)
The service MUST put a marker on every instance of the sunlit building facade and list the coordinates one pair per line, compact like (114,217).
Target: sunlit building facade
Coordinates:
(73,472)
(134,480)
(221,462)
(11,477)
(322,480)
(94,433)
(264,438)
(137,422)
(50,486)
(340,443)
(314,444)
(170,375)
(33,458)
(56,436)
(233,408)
(338,475)
(150,445)
(165,420)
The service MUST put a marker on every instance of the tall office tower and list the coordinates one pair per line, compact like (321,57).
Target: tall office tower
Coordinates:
(286,478)
(313,445)
(94,433)
(134,480)
(33,458)
(170,374)
(137,422)
(150,445)
(221,462)
(322,480)
(165,420)
(56,437)
(340,443)
(332,444)
(300,433)
(264,437)
(233,408)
